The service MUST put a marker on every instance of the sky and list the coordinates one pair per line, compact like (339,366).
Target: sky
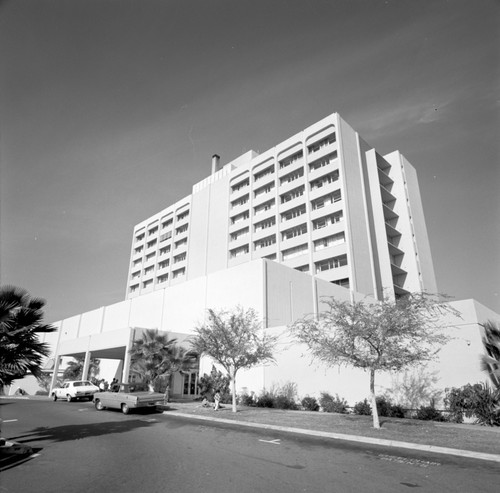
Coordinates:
(111,110)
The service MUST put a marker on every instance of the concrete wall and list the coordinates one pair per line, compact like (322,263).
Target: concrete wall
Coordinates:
(457,363)
(357,232)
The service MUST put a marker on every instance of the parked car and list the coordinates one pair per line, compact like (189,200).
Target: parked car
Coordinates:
(126,397)
(79,389)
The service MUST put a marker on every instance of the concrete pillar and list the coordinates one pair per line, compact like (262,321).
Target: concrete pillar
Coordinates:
(126,360)
(57,362)
(86,365)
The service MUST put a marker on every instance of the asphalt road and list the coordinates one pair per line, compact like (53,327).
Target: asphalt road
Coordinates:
(82,450)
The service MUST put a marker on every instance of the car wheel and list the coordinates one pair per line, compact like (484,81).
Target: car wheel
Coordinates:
(68,398)
(98,405)
(54,397)
(125,409)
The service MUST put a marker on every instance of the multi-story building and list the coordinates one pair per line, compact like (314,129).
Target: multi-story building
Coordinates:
(323,202)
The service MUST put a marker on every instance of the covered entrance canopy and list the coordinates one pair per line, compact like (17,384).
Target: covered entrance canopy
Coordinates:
(116,345)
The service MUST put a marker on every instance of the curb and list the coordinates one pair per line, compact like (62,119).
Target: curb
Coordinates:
(350,438)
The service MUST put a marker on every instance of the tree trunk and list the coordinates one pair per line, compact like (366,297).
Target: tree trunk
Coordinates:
(376,423)
(233,389)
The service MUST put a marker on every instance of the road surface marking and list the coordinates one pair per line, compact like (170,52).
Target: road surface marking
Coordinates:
(276,441)
(8,420)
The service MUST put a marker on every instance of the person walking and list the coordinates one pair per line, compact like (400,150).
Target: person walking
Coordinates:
(216,400)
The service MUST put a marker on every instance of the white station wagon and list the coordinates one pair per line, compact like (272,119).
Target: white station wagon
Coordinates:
(80,389)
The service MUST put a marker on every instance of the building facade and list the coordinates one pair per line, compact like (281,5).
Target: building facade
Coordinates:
(322,202)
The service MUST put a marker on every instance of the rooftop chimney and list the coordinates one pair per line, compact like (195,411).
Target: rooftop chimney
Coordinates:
(215,163)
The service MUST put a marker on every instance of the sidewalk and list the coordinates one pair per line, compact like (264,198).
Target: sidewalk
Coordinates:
(443,438)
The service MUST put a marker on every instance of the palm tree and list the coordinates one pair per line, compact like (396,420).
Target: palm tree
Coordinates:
(490,362)
(21,320)
(155,357)
(74,370)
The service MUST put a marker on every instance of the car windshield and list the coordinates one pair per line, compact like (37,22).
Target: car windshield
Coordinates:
(81,384)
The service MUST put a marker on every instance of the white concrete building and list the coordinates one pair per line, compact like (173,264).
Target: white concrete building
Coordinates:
(321,214)
(323,202)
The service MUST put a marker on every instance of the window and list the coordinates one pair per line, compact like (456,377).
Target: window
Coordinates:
(321,143)
(153,231)
(265,189)
(238,186)
(151,243)
(180,258)
(262,174)
(342,282)
(320,163)
(180,243)
(236,252)
(139,249)
(166,223)
(134,288)
(139,238)
(293,232)
(330,198)
(149,270)
(147,283)
(325,180)
(240,217)
(270,257)
(164,250)
(294,252)
(241,201)
(161,279)
(329,241)
(325,221)
(182,215)
(264,207)
(265,242)
(165,236)
(292,159)
(238,234)
(267,223)
(137,262)
(164,264)
(303,268)
(136,275)
(292,194)
(292,176)
(181,229)
(293,213)
(178,273)
(331,263)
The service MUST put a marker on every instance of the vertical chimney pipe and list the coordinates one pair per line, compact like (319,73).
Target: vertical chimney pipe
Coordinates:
(215,163)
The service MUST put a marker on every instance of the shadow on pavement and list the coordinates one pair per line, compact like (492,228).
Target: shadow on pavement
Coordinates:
(76,432)
(9,460)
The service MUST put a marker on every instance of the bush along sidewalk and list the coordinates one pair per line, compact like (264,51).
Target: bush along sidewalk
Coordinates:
(479,401)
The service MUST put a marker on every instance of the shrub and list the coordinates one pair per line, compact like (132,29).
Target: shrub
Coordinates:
(283,402)
(331,404)
(397,411)
(383,406)
(478,400)
(310,404)
(429,413)
(362,408)
(386,408)
(247,400)
(266,399)
(42,392)
(215,382)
